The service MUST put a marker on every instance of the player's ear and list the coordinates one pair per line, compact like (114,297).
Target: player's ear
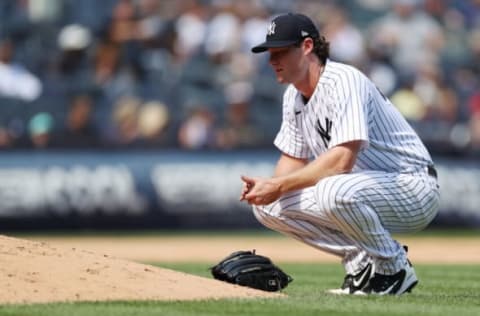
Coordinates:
(307,45)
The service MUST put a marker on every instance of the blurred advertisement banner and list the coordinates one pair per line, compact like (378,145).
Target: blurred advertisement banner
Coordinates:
(168,189)
(61,190)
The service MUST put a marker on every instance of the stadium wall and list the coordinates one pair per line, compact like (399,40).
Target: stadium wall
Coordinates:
(168,190)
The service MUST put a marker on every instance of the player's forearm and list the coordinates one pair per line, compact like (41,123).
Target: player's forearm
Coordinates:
(287,164)
(337,161)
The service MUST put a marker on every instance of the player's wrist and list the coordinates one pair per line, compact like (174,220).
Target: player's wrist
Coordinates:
(280,184)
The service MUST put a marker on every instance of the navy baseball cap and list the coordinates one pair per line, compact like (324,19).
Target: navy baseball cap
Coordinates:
(286,30)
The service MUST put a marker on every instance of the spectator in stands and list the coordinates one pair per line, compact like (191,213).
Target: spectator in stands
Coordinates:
(79,130)
(16,81)
(153,120)
(190,27)
(470,10)
(439,99)
(156,60)
(191,51)
(474,122)
(474,46)
(113,78)
(6,140)
(149,22)
(74,41)
(456,48)
(40,129)
(346,41)
(392,35)
(409,104)
(197,131)
(254,20)
(119,51)
(123,122)
(123,25)
(238,129)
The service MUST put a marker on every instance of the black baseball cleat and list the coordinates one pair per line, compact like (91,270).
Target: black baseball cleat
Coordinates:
(354,283)
(401,282)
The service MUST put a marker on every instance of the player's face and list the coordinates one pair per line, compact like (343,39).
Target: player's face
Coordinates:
(287,63)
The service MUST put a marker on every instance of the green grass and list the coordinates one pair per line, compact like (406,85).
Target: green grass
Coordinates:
(245,233)
(443,290)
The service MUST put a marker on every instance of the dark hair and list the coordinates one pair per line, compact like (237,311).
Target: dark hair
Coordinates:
(321,48)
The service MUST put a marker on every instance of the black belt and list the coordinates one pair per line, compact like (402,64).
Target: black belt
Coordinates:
(432,171)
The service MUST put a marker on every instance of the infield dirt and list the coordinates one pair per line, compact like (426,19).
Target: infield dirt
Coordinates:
(91,268)
(37,272)
(211,248)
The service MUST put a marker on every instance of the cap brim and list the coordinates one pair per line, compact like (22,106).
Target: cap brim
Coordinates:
(272,44)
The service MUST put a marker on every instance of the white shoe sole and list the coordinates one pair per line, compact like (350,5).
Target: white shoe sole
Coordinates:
(339,291)
(344,292)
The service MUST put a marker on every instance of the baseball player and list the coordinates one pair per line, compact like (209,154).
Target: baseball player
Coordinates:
(351,170)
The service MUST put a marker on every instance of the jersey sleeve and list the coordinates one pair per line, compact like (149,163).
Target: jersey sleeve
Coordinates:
(289,139)
(351,119)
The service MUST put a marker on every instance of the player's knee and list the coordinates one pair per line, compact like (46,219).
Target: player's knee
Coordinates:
(265,215)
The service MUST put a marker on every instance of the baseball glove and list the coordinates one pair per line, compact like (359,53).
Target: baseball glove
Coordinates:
(249,269)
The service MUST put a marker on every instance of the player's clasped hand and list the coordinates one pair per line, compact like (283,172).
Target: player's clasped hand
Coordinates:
(259,191)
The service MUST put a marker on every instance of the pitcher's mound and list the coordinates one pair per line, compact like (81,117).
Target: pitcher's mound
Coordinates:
(36,272)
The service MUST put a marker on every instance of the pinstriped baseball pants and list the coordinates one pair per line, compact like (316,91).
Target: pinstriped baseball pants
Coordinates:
(353,215)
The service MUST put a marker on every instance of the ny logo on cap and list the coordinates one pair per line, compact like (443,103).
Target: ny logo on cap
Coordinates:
(271,28)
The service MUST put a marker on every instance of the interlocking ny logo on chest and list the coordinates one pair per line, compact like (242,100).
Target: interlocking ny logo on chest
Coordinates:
(325,132)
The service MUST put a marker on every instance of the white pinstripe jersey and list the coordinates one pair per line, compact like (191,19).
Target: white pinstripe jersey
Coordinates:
(347,106)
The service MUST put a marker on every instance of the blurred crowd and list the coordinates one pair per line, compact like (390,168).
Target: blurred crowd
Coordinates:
(179,73)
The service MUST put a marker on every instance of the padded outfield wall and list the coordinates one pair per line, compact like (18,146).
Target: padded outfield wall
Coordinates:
(168,189)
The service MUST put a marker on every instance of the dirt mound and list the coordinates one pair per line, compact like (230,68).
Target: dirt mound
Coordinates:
(37,272)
